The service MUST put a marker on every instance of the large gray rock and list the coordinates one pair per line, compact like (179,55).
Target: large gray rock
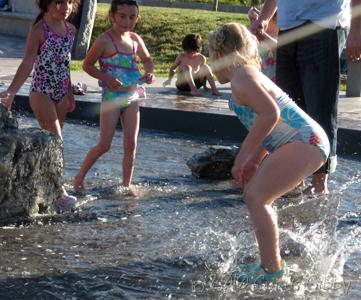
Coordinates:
(31,168)
(214,163)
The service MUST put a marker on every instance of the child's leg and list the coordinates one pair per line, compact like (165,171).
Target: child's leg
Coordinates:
(49,114)
(130,122)
(206,72)
(45,112)
(188,76)
(109,116)
(279,173)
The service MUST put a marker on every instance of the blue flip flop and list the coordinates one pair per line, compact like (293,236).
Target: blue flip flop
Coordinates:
(253,273)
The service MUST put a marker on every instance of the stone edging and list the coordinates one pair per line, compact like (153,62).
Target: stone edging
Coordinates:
(224,127)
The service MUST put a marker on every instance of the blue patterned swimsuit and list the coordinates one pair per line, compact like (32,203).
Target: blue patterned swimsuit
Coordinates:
(294,125)
(122,66)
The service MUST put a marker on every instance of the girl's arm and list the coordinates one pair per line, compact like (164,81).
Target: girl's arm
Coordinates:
(146,59)
(92,57)
(26,66)
(268,10)
(172,70)
(249,91)
(244,171)
(267,39)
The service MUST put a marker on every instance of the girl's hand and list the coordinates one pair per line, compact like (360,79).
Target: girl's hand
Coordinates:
(7,99)
(242,173)
(258,25)
(148,78)
(113,83)
(260,34)
(167,82)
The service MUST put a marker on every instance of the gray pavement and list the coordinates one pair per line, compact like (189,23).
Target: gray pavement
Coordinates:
(12,51)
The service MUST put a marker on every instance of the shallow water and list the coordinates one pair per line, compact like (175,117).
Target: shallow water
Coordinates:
(182,238)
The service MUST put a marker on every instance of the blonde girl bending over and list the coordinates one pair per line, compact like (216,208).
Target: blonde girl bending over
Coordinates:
(283,146)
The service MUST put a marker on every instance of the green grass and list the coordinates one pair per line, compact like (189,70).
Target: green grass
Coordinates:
(163,29)
(232,2)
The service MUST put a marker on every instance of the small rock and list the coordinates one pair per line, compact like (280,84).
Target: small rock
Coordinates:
(214,163)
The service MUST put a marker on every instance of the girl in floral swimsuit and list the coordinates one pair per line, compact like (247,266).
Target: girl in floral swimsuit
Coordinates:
(51,73)
(118,75)
(48,50)
(283,146)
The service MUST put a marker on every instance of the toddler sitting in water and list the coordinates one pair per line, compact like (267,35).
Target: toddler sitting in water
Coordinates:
(193,72)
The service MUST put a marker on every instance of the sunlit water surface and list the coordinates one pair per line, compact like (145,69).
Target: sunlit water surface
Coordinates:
(182,238)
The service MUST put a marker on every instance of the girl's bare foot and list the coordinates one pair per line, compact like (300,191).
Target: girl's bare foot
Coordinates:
(132,191)
(78,185)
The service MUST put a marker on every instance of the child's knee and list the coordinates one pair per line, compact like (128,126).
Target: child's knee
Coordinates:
(251,199)
(103,148)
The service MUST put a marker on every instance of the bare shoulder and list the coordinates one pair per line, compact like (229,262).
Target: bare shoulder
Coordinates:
(245,75)
(102,40)
(101,44)
(242,82)
(37,30)
(103,37)
(181,55)
(250,71)
(202,59)
(36,36)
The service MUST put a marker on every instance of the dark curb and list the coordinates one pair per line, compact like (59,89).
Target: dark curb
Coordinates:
(225,127)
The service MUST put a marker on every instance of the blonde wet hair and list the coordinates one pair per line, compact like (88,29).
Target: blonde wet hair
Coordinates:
(233,45)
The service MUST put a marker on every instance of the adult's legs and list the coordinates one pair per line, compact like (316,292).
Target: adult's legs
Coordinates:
(287,74)
(308,70)
(109,116)
(319,65)
(130,123)
(281,171)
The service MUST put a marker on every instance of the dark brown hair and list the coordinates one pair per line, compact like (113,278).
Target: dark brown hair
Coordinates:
(114,6)
(192,42)
(44,4)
